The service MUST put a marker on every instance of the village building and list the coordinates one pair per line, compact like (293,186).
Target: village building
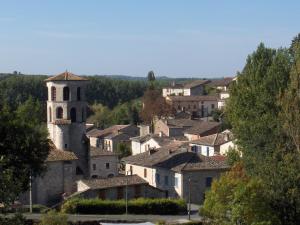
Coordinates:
(189,89)
(103,163)
(221,84)
(117,187)
(197,106)
(202,129)
(151,141)
(180,127)
(109,138)
(175,169)
(215,144)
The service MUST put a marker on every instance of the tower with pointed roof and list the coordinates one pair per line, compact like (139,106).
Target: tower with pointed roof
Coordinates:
(66,116)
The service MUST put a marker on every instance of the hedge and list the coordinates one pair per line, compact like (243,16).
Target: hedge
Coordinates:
(135,206)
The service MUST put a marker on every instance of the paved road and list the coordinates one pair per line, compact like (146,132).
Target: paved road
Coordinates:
(129,218)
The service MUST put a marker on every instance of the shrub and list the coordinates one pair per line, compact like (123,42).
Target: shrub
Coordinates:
(135,206)
(54,218)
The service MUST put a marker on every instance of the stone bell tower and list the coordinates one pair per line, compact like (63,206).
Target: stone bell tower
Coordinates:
(66,116)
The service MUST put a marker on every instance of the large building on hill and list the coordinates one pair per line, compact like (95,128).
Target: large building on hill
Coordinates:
(189,89)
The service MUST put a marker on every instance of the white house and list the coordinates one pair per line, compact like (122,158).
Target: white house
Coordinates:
(192,88)
(215,144)
(173,168)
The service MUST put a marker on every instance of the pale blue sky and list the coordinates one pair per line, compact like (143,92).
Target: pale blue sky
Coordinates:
(174,38)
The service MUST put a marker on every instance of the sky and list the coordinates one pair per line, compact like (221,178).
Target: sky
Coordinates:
(175,38)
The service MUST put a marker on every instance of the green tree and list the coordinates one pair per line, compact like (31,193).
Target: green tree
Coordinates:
(123,150)
(238,199)
(24,147)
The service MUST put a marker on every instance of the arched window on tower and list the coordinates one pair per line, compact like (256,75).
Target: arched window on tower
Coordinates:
(59,113)
(66,93)
(78,94)
(73,115)
(53,93)
(50,114)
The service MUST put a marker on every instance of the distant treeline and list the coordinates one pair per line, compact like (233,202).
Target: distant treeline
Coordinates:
(16,89)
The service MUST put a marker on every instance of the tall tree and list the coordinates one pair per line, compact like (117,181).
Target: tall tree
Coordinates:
(23,149)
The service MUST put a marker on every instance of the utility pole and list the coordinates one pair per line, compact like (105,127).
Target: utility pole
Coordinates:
(126,193)
(30,193)
(189,204)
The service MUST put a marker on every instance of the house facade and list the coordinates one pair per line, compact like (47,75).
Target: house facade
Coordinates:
(188,89)
(173,168)
(215,144)
(116,188)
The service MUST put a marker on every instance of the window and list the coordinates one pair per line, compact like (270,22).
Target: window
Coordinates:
(194,148)
(195,106)
(107,165)
(157,178)
(66,94)
(131,170)
(166,180)
(94,166)
(212,106)
(53,93)
(208,181)
(145,173)
(207,151)
(50,114)
(78,94)
(66,146)
(179,107)
(59,112)
(176,182)
(73,115)
(82,115)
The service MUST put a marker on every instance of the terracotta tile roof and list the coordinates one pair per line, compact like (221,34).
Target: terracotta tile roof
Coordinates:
(118,181)
(95,152)
(193,98)
(201,128)
(59,155)
(214,139)
(176,158)
(102,133)
(66,76)
(182,122)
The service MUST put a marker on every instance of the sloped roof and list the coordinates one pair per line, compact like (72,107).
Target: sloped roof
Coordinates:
(118,181)
(102,133)
(202,127)
(221,82)
(193,98)
(214,139)
(177,159)
(182,122)
(66,76)
(190,84)
(59,155)
(95,152)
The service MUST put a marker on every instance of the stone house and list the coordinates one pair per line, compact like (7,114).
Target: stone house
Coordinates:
(115,188)
(191,129)
(202,129)
(173,168)
(110,137)
(189,89)
(145,143)
(103,163)
(197,106)
(221,84)
(215,144)
(58,180)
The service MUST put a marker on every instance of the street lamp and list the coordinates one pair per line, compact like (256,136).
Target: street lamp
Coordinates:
(189,199)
